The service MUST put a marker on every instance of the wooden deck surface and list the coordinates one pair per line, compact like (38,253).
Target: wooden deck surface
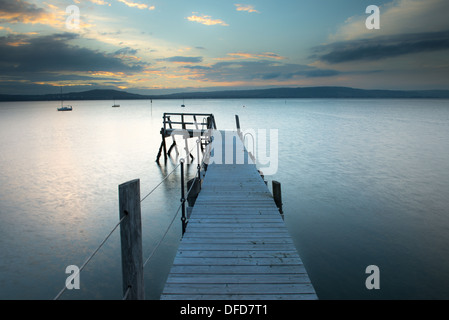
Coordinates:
(236,244)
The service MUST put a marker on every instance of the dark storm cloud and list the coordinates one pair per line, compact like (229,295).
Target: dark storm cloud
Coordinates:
(66,77)
(197,67)
(18,10)
(321,73)
(53,53)
(183,59)
(260,70)
(383,47)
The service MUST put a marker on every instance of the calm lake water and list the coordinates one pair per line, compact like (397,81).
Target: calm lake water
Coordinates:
(364,182)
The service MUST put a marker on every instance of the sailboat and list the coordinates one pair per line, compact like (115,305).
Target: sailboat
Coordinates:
(64,107)
(183,105)
(115,105)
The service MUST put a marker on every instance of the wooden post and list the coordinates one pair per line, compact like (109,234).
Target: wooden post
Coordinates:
(131,240)
(209,123)
(182,120)
(183,200)
(237,124)
(198,166)
(277,195)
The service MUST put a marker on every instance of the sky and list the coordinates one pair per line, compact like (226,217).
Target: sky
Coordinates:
(164,46)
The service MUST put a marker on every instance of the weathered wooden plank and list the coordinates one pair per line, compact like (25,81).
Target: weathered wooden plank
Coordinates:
(238,253)
(239,241)
(275,269)
(249,261)
(242,205)
(246,191)
(239,288)
(232,230)
(216,211)
(255,297)
(231,246)
(234,219)
(242,225)
(239,278)
(232,233)
(239,235)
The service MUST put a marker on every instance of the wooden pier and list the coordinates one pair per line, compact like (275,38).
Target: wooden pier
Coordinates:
(236,245)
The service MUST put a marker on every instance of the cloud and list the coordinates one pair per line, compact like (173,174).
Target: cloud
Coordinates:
(182,59)
(319,73)
(23,12)
(259,71)
(53,53)
(409,50)
(100,2)
(398,17)
(244,55)
(246,8)
(206,20)
(383,47)
(20,11)
(197,67)
(140,6)
(126,51)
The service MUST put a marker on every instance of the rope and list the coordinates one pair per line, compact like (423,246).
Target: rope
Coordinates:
(160,182)
(163,237)
(91,256)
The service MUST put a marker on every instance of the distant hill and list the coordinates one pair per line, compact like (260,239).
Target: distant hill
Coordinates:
(96,94)
(281,93)
(310,92)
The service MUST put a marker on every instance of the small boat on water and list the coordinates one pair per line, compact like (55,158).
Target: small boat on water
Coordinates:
(115,105)
(64,107)
(183,105)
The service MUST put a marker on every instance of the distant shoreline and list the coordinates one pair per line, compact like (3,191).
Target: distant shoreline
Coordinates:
(274,93)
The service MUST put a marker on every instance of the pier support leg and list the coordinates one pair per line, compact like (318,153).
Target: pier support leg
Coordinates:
(131,240)
(159,153)
(173,146)
(162,147)
(165,147)
(277,195)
